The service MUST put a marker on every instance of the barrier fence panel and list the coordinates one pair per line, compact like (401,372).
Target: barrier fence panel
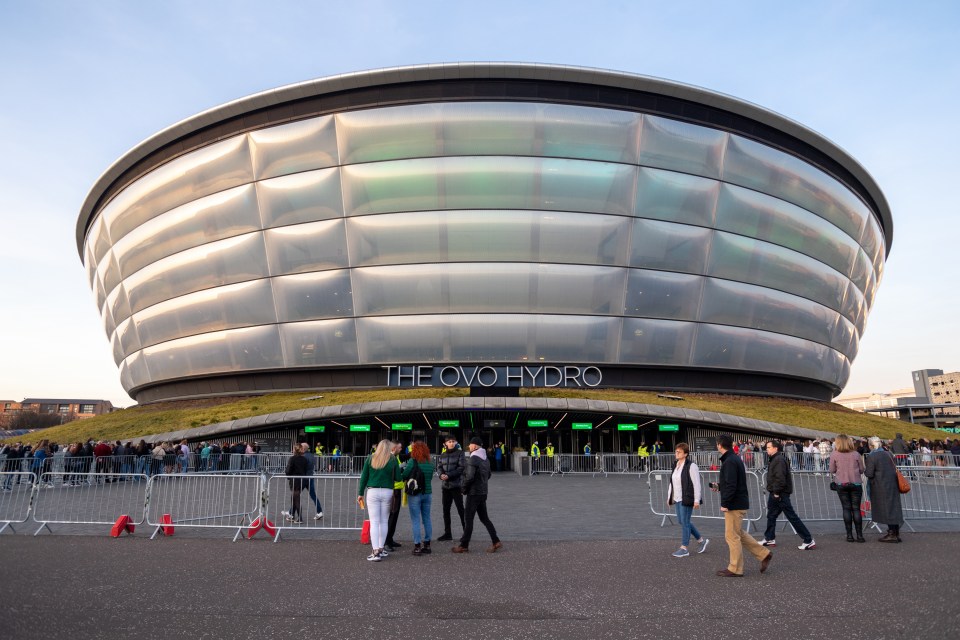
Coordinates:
(569,463)
(224,500)
(934,493)
(812,498)
(543,465)
(338,501)
(623,463)
(16,491)
(659,482)
(99,499)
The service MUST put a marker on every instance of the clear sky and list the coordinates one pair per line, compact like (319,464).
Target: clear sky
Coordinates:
(83,82)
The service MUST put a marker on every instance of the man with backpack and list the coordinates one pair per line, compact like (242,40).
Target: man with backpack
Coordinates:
(450,465)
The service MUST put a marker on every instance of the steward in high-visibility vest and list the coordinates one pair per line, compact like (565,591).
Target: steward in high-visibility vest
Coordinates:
(586,449)
(336,451)
(550,450)
(642,451)
(318,450)
(534,451)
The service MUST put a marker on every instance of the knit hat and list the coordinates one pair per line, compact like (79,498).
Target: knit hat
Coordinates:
(477,441)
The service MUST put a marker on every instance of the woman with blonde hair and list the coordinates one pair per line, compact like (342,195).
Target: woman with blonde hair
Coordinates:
(380,471)
(846,467)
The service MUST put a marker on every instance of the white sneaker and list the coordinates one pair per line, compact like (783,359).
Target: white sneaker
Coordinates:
(768,543)
(384,553)
(374,557)
(806,546)
(703,545)
(318,516)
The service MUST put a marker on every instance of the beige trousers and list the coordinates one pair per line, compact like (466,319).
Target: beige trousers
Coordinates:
(737,539)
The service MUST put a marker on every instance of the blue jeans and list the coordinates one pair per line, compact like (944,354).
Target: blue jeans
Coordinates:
(313,496)
(420,511)
(683,517)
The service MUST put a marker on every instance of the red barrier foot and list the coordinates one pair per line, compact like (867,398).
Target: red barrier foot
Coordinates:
(166,524)
(261,523)
(122,524)
(365,532)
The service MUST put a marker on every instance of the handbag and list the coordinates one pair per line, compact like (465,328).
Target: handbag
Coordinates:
(902,483)
(833,486)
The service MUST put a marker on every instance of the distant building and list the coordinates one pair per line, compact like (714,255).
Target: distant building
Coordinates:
(74,409)
(921,383)
(867,401)
(945,388)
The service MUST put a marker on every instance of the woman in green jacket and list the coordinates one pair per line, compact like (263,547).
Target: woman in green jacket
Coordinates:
(380,471)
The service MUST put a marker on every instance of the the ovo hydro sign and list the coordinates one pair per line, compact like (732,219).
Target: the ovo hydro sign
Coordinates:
(492,376)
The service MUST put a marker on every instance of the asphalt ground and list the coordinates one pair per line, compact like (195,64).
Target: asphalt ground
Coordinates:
(583,558)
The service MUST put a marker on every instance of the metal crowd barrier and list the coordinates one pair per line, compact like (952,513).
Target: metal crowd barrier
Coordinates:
(543,464)
(623,463)
(580,464)
(812,498)
(226,501)
(100,499)
(16,491)
(337,496)
(659,482)
(934,493)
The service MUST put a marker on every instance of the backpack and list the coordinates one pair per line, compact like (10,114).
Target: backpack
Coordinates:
(416,484)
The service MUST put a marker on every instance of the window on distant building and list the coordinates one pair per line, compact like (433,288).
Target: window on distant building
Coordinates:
(63,408)
(86,408)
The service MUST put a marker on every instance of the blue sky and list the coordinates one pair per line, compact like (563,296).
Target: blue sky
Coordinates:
(83,82)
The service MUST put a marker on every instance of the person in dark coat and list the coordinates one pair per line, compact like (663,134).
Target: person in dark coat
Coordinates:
(880,469)
(297,468)
(476,475)
(734,503)
(779,488)
(450,467)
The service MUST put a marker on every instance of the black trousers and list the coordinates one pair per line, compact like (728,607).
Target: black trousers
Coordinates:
(477,506)
(776,506)
(394,514)
(451,496)
(850,496)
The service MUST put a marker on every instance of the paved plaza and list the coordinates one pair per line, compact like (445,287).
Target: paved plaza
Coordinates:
(583,558)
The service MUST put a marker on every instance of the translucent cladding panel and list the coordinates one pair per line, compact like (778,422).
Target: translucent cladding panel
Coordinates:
(845,338)
(488,183)
(670,247)
(127,337)
(210,265)
(109,272)
(646,341)
(676,197)
(304,197)
(754,261)
(306,247)
(874,244)
(309,296)
(862,273)
(224,351)
(680,146)
(752,350)
(478,288)
(109,326)
(757,215)
(237,305)
(98,293)
(118,303)
(295,147)
(221,215)
(661,294)
(133,371)
(488,236)
(756,166)
(487,337)
(588,133)
(854,307)
(199,173)
(391,133)
(117,349)
(97,239)
(89,264)
(327,342)
(745,305)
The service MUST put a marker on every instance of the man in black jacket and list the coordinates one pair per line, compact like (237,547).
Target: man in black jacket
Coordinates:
(476,473)
(779,488)
(734,502)
(450,467)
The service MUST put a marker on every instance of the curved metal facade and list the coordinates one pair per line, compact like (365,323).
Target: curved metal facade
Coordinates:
(476,230)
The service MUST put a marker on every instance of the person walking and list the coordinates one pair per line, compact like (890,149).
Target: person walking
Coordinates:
(685,484)
(420,495)
(311,459)
(475,477)
(846,466)
(734,503)
(296,470)
(779,489)
(880,469)
(450,465)
(375,491)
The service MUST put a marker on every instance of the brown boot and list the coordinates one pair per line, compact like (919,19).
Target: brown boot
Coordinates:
(459,549)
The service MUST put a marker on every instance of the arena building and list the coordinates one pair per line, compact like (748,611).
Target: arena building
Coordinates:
(490,225)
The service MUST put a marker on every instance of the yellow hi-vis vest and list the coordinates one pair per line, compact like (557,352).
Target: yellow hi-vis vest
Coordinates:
(642,452)
(534,451)
(399,483)
(550,450)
